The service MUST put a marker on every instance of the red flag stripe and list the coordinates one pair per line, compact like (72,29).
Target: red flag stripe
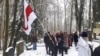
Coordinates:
(28,11)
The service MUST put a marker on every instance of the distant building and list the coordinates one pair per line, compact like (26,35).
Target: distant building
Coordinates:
(97,28)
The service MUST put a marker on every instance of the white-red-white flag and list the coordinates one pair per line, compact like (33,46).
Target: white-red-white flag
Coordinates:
(29,17)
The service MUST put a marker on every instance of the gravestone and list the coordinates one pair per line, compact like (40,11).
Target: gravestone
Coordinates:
(20,48)
(10,52)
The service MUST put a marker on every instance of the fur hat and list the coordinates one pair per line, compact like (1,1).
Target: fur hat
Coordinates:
(84,34)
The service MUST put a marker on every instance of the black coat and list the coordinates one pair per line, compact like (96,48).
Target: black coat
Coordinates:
(34,39)
(60,40)
(96,52)
(46,39)
(75,38)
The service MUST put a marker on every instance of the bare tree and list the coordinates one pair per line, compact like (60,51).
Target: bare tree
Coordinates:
(65,23)
(71,16)
(79,13)
(13,23)
(6,28)
(90,22)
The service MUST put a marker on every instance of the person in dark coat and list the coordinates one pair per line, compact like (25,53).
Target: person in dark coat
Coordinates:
(96,51)
(75,38)
(54,45)
(47,42)
(60,39)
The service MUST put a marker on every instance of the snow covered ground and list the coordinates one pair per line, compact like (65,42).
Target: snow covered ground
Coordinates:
(1,53)
(42,52)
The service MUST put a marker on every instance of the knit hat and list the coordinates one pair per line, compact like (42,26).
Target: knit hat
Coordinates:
(84,34)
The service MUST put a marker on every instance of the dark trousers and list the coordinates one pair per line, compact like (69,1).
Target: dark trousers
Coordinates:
(47,48)
(54,51)
(60,50)
(35,46)
(51,49)
(75,43)
(65,49)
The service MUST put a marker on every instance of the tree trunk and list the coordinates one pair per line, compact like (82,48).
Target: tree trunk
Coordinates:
(54,22)
(13,24)
(71,16)
(82,2)
(76,13)
(65,23)
(1,24)
(58,27)
(90,23)
(90,15)
(6,30)
(79,13)
(94,14)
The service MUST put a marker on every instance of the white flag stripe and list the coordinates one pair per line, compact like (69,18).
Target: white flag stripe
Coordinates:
(32,17)
(28,30)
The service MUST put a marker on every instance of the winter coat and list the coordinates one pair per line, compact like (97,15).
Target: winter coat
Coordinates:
(54,40)
(69,40)
(60,44)
(34,39)
(83,48)
(75,38)
(60,40)
(96,52)
(46,39)
(65,42)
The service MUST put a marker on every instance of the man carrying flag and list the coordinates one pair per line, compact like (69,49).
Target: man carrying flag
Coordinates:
(29,17)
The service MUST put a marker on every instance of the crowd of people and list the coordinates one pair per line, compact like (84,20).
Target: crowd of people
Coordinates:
(59,42)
